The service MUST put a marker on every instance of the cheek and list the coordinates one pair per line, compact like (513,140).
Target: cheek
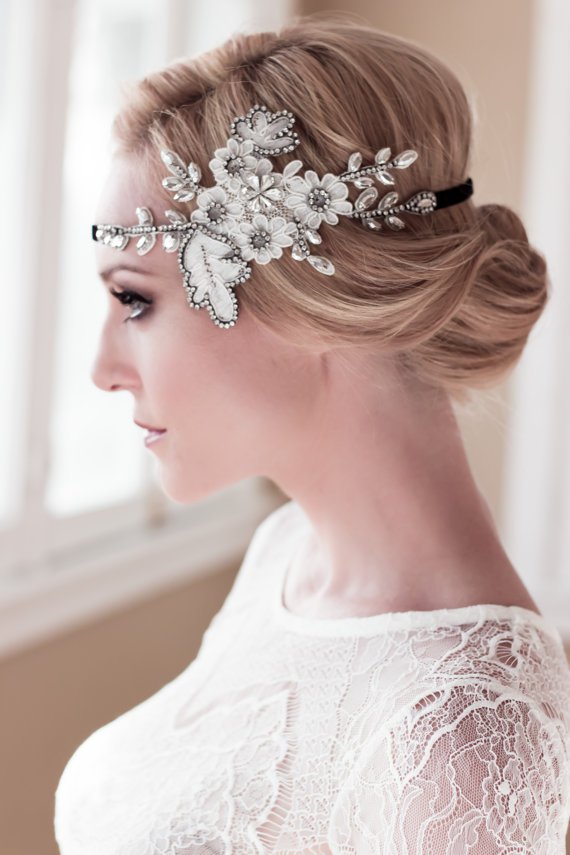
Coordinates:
(211,407)
(196,390)
(226,396)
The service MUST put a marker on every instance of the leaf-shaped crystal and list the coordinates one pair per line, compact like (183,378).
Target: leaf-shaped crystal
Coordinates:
(297,252)
(419,200)
(175,216)
(170,158)
(313,236)
(382,156)
(366,198)
(354,161)
(363,181)
(184,195)
(385,177)
(373,224)
(144,216)
(145,243)
(426,203)
(406,158)
(172,183)
(395,223)
(170,241)
(323,265)
(388,201)
(174,163)
(117,241)
(194,172)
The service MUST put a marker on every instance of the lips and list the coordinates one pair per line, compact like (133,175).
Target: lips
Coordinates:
(150,427)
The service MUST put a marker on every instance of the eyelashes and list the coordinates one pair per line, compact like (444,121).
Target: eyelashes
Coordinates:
(132,298)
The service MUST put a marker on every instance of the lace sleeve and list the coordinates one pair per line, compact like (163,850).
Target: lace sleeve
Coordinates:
(470,769)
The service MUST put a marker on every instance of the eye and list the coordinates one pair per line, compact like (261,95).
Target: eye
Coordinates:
(131,298)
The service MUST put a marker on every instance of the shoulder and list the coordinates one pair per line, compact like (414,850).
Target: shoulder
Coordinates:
(476,755)
(474,648)
(470,767)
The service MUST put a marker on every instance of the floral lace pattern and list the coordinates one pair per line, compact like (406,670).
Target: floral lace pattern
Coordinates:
(416,733)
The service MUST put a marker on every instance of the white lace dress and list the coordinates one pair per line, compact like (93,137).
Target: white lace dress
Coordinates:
(426,733)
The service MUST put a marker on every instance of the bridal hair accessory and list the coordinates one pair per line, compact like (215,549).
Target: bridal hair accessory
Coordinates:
(252,212)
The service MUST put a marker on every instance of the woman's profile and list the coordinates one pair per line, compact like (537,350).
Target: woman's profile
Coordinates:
(378,679)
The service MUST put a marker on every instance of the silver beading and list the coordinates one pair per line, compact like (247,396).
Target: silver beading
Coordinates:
(252,212)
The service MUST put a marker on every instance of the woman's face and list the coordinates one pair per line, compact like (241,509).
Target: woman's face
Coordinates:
(234,402)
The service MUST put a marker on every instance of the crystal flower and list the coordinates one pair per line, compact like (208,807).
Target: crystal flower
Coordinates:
(229,162)
(215,211)
(261,189)
(314,200)
(263,238)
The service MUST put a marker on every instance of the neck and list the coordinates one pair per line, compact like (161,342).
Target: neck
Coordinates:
(397,517)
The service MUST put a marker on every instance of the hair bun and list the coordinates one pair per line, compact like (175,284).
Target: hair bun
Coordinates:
(501,223)
(507,239)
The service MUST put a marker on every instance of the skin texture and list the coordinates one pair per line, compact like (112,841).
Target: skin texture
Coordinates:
(379,467)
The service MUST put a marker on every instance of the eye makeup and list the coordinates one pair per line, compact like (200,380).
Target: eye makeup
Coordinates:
(131,298)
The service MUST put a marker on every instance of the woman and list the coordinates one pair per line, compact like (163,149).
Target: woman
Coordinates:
(379,679)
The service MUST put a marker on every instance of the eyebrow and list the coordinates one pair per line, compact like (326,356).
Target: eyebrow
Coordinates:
(107,272)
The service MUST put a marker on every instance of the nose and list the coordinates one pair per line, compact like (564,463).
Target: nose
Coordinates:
(111,372)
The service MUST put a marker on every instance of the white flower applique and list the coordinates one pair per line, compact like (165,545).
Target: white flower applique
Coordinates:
(263,238)
(215,210)
(230,161)
(315,199)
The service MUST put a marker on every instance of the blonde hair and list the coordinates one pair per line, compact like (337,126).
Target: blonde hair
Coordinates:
(454,295)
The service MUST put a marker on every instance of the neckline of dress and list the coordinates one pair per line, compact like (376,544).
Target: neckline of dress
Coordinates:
(369,625)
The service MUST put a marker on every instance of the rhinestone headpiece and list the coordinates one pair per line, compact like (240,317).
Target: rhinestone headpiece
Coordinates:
(253,212)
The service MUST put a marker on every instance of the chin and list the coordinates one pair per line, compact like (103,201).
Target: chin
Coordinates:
(192,478)
(182,493)
(186,490)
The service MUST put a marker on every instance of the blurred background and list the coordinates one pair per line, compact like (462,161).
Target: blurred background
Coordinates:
(106,586)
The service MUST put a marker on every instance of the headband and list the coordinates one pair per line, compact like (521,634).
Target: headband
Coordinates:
(252,212)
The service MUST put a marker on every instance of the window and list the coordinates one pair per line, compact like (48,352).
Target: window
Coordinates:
(79,496)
